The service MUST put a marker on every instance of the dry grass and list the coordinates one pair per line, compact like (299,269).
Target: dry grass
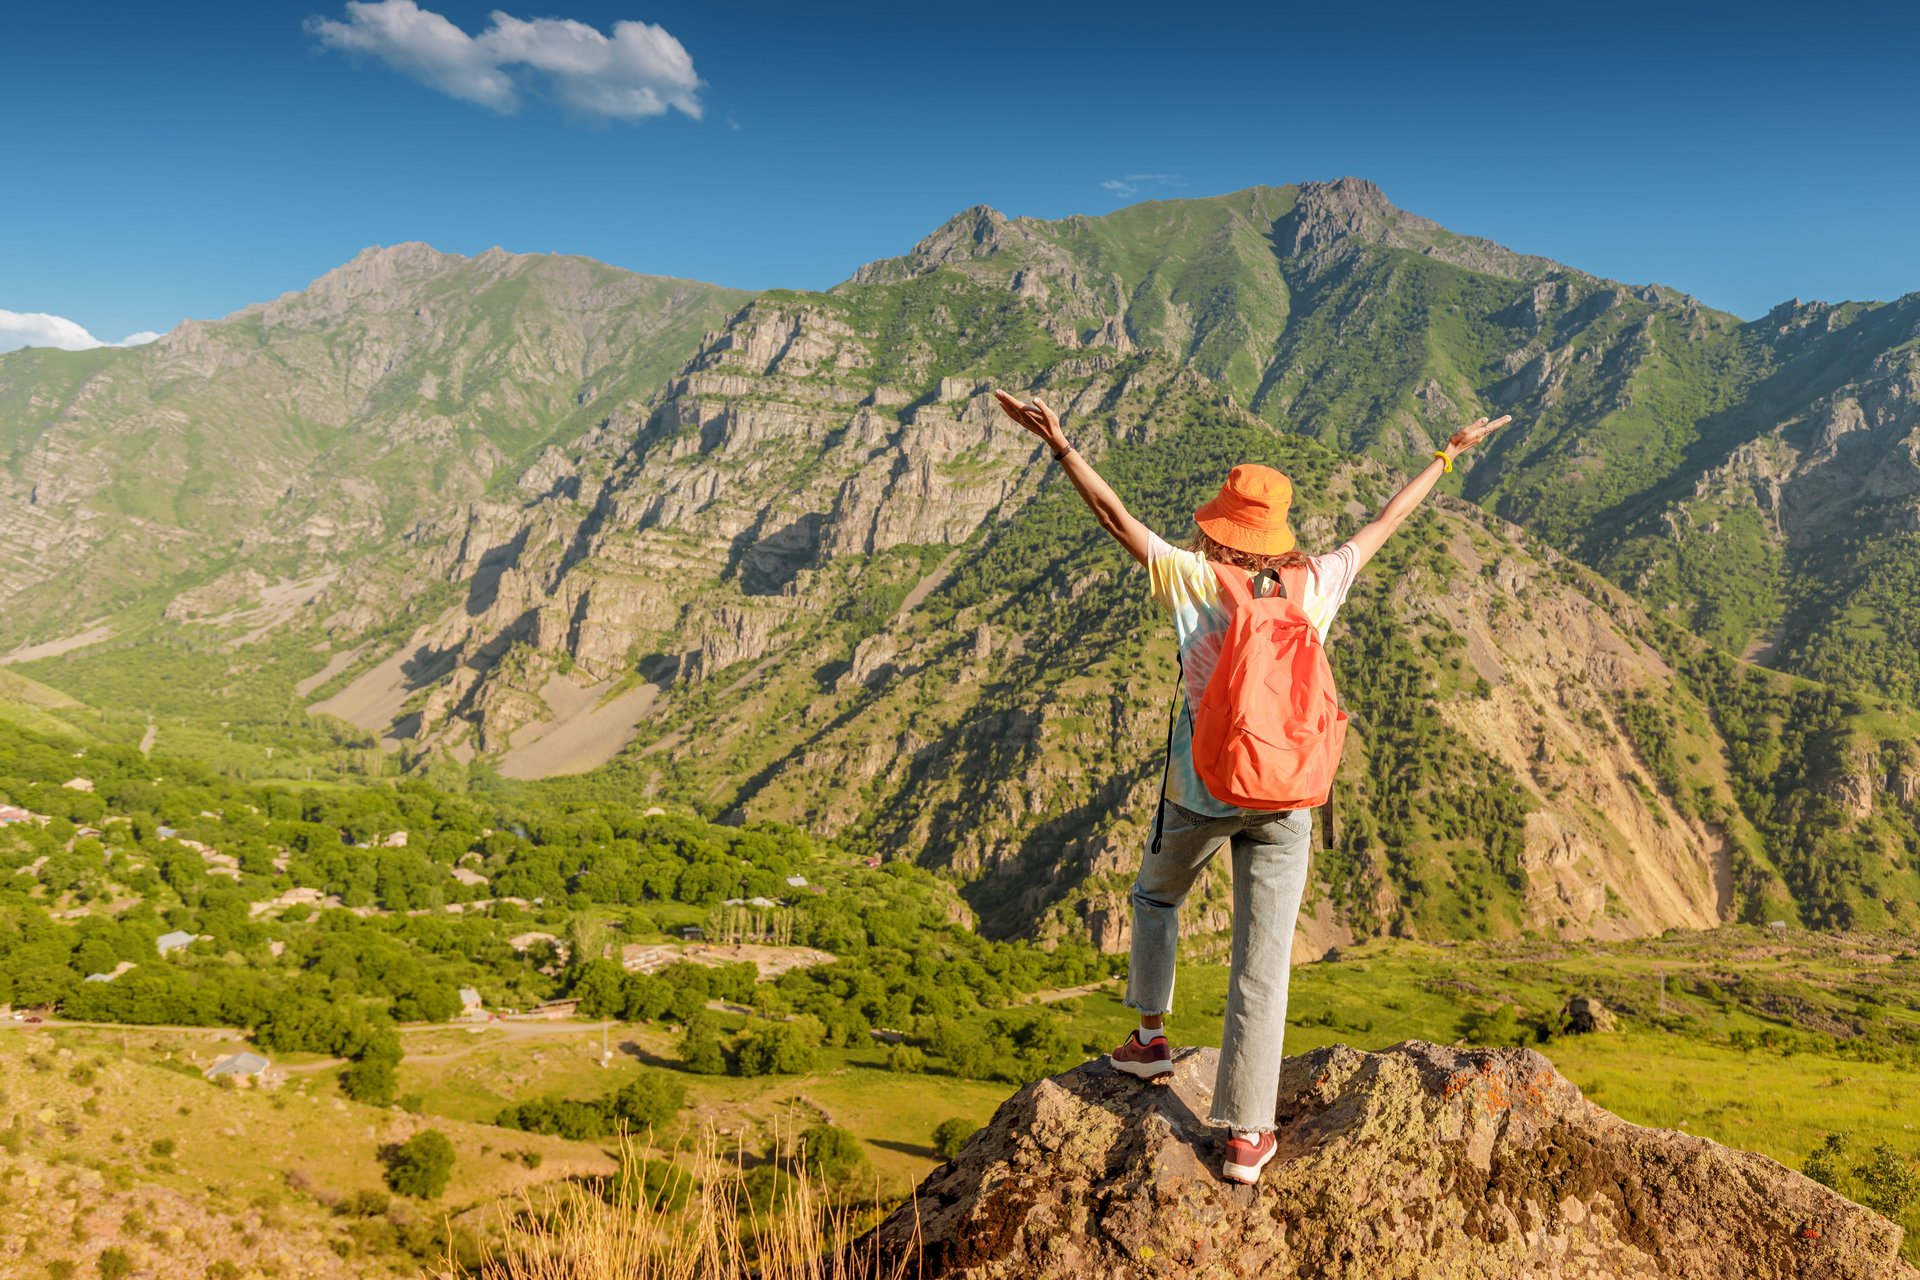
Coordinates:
(571,1232)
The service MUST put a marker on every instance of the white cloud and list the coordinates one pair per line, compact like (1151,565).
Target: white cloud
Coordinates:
(637,72)
(38,329)
(1134,183)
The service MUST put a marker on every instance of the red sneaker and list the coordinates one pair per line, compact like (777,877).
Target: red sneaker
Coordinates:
(1154,1058)
(1246,1157)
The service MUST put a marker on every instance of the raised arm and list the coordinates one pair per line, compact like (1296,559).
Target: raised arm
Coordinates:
(1404,503)
(1105,504)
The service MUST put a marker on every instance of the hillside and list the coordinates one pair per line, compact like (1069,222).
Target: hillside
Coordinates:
(797,569)
(1762,478)
(234,470)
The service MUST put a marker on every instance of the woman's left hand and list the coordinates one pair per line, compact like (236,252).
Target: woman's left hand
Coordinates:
(1473,433)
(1035,416)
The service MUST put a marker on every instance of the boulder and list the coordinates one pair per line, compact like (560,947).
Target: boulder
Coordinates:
(1417,1161)
(1585,1015)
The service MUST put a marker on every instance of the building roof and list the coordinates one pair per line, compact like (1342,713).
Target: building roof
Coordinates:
(797,882)
(173,941)
(469,995)
(238,1064)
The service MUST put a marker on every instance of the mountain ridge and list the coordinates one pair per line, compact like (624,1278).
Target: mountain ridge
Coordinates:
(795,566)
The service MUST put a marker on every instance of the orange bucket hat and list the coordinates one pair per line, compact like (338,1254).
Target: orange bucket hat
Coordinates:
(1250,511)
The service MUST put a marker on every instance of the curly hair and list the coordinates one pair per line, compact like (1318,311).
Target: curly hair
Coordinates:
(1247,560)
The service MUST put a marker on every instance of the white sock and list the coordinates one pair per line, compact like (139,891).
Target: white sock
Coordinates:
(1147,1035)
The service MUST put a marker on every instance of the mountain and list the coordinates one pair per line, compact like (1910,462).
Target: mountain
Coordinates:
(1763,479)
(240,466)
(779,557)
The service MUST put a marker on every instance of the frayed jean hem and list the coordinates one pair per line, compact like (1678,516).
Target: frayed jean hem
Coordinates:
(1218,1123)
(1131,1003)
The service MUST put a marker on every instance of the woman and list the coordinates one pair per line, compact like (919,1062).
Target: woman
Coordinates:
(1244,526)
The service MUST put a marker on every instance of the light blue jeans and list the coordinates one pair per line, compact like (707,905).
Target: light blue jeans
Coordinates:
(1269,875)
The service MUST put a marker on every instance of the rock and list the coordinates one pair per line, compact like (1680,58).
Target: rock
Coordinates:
(1585,1015)
(1417,1161)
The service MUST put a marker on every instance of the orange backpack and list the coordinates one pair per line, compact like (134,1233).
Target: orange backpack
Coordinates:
(1269,729)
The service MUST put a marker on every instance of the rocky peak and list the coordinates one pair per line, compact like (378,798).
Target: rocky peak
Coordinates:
(1419,1160)
(1330,216)
(972,234)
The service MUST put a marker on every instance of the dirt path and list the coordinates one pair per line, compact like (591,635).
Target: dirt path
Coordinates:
(335,665)
(1057,994)
(147,739)
(928,585)
(54,648)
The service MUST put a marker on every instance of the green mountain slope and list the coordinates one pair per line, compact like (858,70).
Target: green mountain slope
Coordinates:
(798,568)
(271,449)
(1697,458)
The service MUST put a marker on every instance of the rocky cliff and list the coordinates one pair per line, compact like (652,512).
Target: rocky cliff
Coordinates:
(1418,1161)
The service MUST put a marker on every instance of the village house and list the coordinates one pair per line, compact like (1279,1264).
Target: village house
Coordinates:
(240,1066)
(472,1007)
(178,940)
(12,813)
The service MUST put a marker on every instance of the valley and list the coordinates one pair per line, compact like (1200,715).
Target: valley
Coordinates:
(469,634)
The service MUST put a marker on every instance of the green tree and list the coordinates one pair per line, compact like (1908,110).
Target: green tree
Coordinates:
(646,1102)
(421,1166)
(780,1049)
(950,1135)
(369,1080)
(700,1047)
(831,1154)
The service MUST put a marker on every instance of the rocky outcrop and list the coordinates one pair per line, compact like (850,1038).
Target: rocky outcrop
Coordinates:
(1419,1161)
(1350,213)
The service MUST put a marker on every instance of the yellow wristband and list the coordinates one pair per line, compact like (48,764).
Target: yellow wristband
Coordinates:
(1445,461)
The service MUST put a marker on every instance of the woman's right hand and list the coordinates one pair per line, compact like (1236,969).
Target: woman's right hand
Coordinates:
(1034,416)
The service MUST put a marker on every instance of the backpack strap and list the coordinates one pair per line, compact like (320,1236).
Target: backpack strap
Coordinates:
(1233,583)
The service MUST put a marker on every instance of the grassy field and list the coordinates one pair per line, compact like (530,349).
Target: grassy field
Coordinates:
(1714,1039)
(1759,1040)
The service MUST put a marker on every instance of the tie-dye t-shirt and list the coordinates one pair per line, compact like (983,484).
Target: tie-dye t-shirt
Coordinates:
(1184,585)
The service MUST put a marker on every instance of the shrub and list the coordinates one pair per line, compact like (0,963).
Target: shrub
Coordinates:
(114,1264)
(1823,1166)
(700,1048)
(660,1185)
(1888,1182)
(831,1154)
(163,1147)
(950,1135)
(766,1187)
(365,1203)
(421,1166)
(775,1050)
(646,1102)
(370,1080)
(1500,1027)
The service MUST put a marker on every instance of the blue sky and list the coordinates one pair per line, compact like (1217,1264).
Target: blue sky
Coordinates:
(184,160)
